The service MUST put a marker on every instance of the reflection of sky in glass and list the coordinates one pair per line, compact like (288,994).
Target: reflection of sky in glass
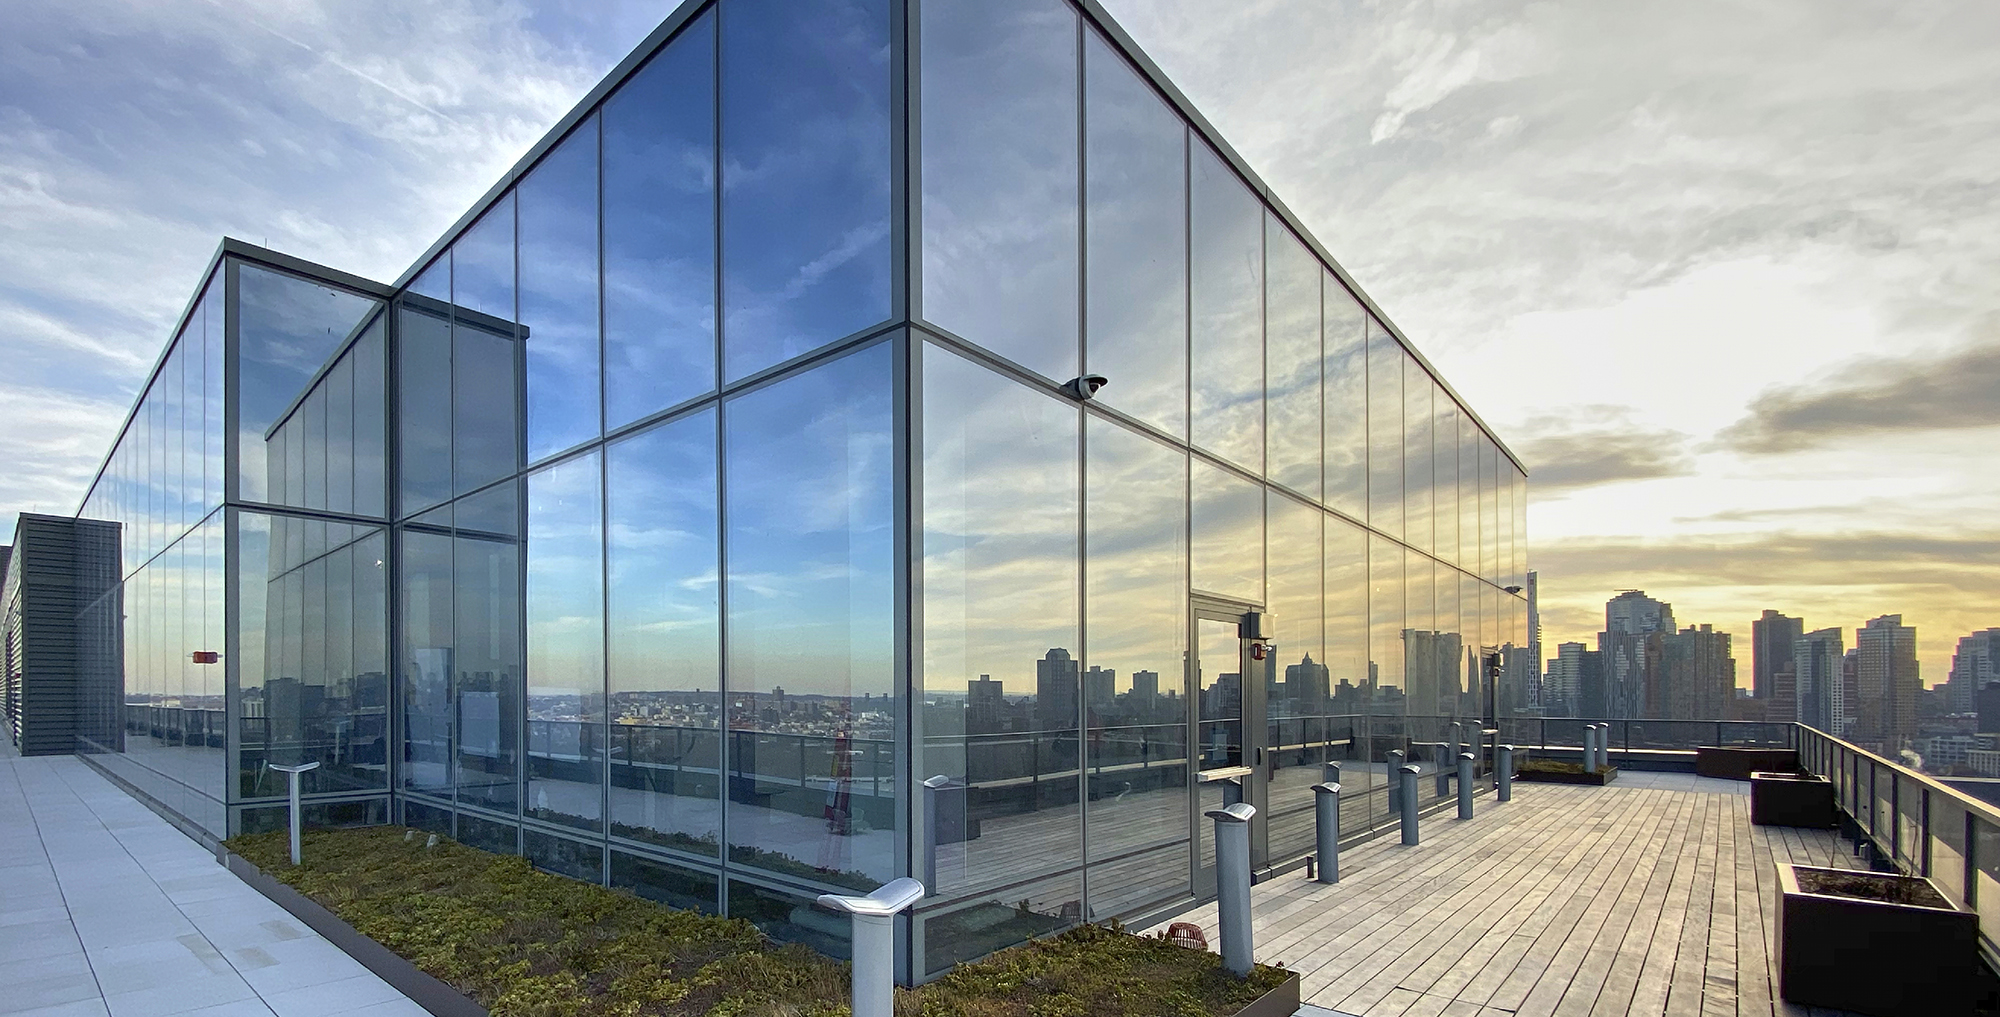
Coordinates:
(659,230)
(1291,360)
(999,153)
(1136,605)
(1444,436)
(1385,431)
(809,482)
(1227,375)
(1294,581)
(1469,541)
(558,266)
(805,175)
(565,580)
(423,403)
(1346,605)
(484,432)
(660,486)
(287,329)
(1385,610)
(1228,527)
(1000,524)
(1417,423)
(1136,185)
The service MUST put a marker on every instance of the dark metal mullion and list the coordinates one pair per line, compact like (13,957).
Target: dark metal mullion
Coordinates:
(906,553)
(724,757)
(1082,481)
(604,525)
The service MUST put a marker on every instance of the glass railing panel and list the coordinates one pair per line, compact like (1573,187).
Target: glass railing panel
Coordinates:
(1881,819)
(1947,845)
(1910,832)
(1986,852)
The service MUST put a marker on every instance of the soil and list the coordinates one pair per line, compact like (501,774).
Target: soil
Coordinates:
(1551,766)
(1871,886)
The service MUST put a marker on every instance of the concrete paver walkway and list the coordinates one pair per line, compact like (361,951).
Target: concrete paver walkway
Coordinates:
(108,911)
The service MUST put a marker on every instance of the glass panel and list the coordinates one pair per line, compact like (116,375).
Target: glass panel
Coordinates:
(672,885)
(1449,650)
(1469,538)
(805,176)
(1346,612)
(1489,511)
(287,330)
(565,629)
(1986,855)
(1296,674)
(1000,173)
(1228,545)
(1385,431)
(368,448)
(425,566)
(1135,610)
(423,403)
(1947,831)
(659,231)
(558,322)
(212,396)
(339,396)
(485,442)
(565,857)
(1227,271)
(308,625)
(486,648)
(1000,610)
(1421,684)
(1219,683)
(1291,360)
(1385,621)
(1444,463)
(1136,233)
(1418,418)
(1520,527)
(662,560)
(810,595)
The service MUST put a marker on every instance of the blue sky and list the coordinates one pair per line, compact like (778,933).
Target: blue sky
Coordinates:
(1720,272)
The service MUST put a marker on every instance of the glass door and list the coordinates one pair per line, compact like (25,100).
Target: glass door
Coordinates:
(1227,716)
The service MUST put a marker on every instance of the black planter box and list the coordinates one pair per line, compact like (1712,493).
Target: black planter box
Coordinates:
(1729,763)
(1875,957)
(1599,779)
(1789,799)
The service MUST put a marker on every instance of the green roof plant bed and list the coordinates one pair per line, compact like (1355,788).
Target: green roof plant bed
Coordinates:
(523,943)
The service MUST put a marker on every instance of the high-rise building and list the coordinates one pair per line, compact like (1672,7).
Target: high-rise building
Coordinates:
(1056,690)
(1563,684)
(1772,638)
(1698,673)
(1099,686)
(1886,682)
(1817,664)
(1974,665)
(1633,643)
(1535,680)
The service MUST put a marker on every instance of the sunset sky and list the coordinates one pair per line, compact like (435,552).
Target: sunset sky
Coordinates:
(1722,274)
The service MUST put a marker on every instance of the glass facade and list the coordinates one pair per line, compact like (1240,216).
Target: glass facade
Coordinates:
(710,515)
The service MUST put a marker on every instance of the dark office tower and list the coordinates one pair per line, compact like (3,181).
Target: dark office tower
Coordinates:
(1145,688)
(1974,665)
(1593,687)
(1988,703)
(1635,627)
(1699,674)
(1821,685)
(1782,706)
(985,705)
(1055,691)
(1887,682)
(1099,685)
(1306,686)
(1771,640)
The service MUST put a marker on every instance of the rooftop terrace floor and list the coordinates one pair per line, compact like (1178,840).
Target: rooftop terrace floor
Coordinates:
(1654,895)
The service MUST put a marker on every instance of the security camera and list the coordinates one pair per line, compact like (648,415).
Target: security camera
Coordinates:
(1511,589)
(1085,387)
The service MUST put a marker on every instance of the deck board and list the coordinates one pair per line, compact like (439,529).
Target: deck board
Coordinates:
(1566,902)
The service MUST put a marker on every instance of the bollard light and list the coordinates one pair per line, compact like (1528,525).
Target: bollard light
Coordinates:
(1504,773)
(1330,772)
(1465,785)
(293,773)
(1326,823)
(874,979)
(1408,801)
(1443,771)
(931,819)
(1590,748)
(1232,885)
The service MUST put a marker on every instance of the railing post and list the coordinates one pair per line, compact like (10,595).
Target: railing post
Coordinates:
(1443,772)
(1326,823)
(874,942)
(1396,757)
(1409,803)
(932,818)
(1503,770)
(1232,885)
(1465,785)
(292,775)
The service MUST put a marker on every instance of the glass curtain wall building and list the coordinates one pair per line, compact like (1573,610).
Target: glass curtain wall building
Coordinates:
(716,510)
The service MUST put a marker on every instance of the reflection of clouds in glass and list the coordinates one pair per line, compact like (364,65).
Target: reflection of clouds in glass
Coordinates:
(659,229)
(1385,431)
(1294,582)
(1445,516)
(1000,524)
(1345,341)
(1417,479)
(1346,606)
(1135,147)
(558,207)
(1136,603)
(565,577)
(1227,239)
(805,175)
(999,151)
(1228,527)
(809,506)
(1291,360)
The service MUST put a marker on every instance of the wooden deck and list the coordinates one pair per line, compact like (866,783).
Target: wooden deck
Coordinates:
(1652,896)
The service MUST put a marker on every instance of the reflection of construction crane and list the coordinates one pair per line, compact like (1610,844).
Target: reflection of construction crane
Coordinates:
(839,798)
